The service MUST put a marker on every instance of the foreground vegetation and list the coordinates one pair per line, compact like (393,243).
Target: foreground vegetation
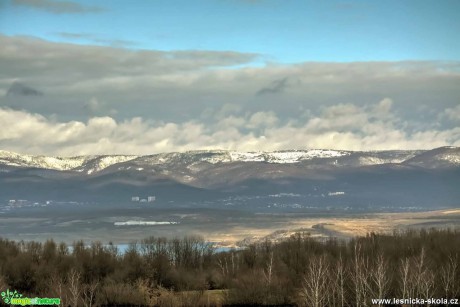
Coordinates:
(300,271)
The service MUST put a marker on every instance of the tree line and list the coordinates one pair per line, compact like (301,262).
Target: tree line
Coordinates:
(299,271)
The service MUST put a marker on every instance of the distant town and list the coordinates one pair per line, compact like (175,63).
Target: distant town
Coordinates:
(9,204)
(138,199)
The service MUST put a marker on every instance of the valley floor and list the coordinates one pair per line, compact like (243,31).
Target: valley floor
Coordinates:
(227,228)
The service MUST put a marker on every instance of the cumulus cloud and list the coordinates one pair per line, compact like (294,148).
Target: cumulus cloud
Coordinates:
(452,114)
(181,85)
(344,126)
(262,119)
(384,106)
(95,107)
(105,99)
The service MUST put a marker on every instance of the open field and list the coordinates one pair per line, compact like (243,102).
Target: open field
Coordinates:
(341,227)
(229,228)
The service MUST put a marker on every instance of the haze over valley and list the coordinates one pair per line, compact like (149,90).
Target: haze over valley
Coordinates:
(229,197)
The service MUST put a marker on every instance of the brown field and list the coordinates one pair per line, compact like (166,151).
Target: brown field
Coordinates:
(342,227)
(225,228)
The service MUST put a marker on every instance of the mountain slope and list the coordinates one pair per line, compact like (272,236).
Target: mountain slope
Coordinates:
(317,178)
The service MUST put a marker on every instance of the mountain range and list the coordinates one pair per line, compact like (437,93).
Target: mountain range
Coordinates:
(282,179)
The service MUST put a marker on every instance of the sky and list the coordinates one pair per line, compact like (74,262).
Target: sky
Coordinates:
(142,77)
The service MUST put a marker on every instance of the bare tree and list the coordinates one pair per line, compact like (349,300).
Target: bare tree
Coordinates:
(73,280)
(426,286)
(340,281)
(89,293)
(336,296)
(315,282)
(56,283)
(405,281)
(233,263)
(268,270)
(223,265)
(360,276)
(423,279)
(448,276)
(419,270)
(380,277)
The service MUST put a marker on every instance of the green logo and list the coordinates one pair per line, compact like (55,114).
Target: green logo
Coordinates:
(15,298)
(7,296)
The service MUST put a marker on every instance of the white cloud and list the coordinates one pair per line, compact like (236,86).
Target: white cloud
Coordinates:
(384,106)
(180,85)
(96,107)
(452,114)
(114,100)
(262,119)
(343,126)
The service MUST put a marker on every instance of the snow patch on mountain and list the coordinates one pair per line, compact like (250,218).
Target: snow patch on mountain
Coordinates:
(297,156)
(196,161)
(372,161)
(105,161)
(283,157)
(451,158)
(55,163)
(247,156)
(88,164)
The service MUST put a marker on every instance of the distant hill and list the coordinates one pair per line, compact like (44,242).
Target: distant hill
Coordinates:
(421,178)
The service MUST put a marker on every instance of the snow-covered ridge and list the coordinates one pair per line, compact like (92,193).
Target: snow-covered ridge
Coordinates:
(56,163)
(102,162)
(285,156)
(222,156)
(78,163)
(196,160)
(451,158)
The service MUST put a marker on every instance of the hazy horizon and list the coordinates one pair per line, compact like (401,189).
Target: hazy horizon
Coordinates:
(216,150)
